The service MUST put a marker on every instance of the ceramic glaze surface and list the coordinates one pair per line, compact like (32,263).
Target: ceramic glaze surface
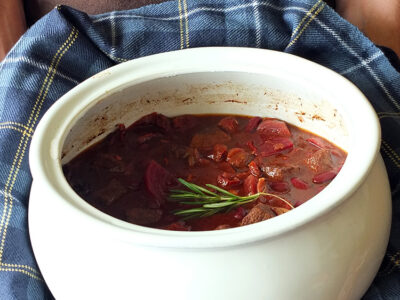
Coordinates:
(332,244)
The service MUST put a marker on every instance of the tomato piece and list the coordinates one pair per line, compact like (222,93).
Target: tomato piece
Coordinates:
(254,169)
(250,185)
(262,185)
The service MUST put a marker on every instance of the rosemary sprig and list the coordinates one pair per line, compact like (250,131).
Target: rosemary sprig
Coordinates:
(208,202)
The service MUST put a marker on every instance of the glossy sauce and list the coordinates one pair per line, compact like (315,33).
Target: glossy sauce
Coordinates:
(128,175)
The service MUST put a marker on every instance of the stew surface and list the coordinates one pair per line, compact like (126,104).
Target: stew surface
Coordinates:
(130,174)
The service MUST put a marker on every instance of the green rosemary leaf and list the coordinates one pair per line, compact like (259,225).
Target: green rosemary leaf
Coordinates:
(207,191)
(190,186)
(210,213)
(190,211)
(208,202)
(178,191)
(221,190)
(218,204)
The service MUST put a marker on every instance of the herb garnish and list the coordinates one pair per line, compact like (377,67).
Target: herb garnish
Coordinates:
(209,202)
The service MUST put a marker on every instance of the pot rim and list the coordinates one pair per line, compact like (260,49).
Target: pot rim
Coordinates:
(48,139)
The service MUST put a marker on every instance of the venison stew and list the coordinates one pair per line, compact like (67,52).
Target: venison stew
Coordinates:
(203,172)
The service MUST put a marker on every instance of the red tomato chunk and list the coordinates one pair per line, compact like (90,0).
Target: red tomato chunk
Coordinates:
(130,174)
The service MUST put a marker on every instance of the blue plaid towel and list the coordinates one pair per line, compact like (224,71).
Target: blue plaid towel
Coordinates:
(67,46)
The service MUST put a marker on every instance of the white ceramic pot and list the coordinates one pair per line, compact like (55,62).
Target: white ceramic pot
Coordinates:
(328,248)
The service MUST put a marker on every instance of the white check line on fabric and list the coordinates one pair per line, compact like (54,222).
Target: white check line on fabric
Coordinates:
(113,37)
(363,63)
(257,23)
(317,20)
(203,9)
(35,64)
(368,68)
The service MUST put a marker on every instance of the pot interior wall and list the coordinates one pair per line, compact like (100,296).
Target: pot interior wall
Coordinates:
(267,95)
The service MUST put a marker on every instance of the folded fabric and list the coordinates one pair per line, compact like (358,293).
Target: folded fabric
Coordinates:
(67,46)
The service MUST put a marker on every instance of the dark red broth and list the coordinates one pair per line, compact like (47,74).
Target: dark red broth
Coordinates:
(129,174)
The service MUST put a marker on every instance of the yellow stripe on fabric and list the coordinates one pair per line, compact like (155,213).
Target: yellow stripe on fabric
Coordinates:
(382,115)
(24,139)
(23,272)
(118,59)
(306,16)
(8,191)
(187,23)
(16,129)
(394,262)
(17,124)
(49,72)
(181,23)
(306,25)
(395,158)
(20,266)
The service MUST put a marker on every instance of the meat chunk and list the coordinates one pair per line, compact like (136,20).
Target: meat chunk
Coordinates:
(229,124)
(183,123)
(227,180)
(272,128)
(252,124)
(207,140)
(274,146)
(258,213)
(277,172)
(107,161)
(318,142)
(143,216)
(273,173)
(111,192)
(193,156)
(148,137)
(158,180)
(238,157)
(219,152)
(155,119)
(319,161)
